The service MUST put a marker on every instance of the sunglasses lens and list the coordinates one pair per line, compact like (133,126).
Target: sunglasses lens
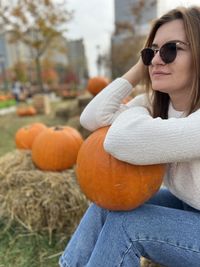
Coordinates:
(147,55)
(168,52)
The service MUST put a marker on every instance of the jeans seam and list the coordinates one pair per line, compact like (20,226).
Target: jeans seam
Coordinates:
(150,240)
(125,253)
(165,242)
(156,240)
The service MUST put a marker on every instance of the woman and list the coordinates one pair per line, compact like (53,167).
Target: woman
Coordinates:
(161,126)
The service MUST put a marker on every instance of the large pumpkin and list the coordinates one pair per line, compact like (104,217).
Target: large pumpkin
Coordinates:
(111,183)
(56,148)
(96,84)
(26,135)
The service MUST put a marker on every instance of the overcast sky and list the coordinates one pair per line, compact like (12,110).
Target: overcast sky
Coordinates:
(94,22)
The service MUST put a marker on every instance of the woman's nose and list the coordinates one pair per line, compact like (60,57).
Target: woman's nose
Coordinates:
(157,59)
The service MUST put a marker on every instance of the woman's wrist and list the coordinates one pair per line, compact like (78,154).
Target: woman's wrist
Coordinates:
(134,75)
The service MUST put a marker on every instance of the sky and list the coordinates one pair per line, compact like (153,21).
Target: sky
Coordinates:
(94,22)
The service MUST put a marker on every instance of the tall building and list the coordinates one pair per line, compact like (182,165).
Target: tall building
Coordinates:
(12,52)
(132,23)
(138,14)
(77,59)
(10,55)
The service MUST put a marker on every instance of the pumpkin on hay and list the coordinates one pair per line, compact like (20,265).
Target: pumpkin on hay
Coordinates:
(26,135)
(111,183)
(56,148)
(96,84)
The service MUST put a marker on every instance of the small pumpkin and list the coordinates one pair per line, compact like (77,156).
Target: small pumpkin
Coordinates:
(111,183)
(96,84)
(26,135)
(26,111)
(56,148)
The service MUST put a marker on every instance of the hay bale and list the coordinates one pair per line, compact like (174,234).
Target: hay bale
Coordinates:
(39,200)
(14,161)
(68,109)
(41,103)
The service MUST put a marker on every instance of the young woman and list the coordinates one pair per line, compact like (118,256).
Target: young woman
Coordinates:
(161,126)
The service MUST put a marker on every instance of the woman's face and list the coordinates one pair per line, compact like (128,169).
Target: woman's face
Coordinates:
(174,78)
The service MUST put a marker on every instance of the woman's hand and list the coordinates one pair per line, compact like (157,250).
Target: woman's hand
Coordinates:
(135,74)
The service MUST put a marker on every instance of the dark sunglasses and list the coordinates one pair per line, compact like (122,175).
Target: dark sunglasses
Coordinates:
(167,52)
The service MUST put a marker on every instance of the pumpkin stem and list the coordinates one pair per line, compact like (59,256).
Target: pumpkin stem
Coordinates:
(58,128)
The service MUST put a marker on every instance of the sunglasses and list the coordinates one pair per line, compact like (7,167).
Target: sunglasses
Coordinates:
(167,52)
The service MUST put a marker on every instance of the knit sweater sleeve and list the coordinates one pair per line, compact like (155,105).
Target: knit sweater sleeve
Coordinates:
(107,105)
(137,138)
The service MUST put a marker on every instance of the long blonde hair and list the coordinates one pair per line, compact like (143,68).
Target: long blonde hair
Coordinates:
(191,20)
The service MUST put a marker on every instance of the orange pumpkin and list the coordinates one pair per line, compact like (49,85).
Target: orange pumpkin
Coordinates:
(26,111)
(56,148)
(26,135)
(96,84)
(111,183)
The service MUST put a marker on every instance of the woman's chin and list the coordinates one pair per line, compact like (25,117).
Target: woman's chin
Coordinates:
(159,89)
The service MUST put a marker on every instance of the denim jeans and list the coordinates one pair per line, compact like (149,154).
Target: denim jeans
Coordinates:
(164,229)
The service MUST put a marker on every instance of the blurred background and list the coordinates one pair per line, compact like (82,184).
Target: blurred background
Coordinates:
(49,45)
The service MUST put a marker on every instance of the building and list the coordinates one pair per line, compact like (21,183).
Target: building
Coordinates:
(11,53)
(138,14)
(77,60)
(132,23)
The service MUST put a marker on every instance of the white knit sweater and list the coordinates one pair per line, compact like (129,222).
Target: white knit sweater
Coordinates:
(135,137)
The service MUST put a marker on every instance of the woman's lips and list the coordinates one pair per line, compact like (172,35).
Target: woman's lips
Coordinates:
(160,73)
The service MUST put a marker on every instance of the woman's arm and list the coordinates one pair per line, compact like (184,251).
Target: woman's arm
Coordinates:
(106,106)
(137,138)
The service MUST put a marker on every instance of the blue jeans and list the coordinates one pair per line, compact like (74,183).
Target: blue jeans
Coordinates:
(164,229)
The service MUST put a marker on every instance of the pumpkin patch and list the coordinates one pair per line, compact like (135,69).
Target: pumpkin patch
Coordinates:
(111,183)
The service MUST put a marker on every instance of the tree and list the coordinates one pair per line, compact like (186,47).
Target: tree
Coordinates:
(36,24)
(19,71)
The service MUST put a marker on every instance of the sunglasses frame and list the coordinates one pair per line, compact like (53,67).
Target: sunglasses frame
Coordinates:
(166,59)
